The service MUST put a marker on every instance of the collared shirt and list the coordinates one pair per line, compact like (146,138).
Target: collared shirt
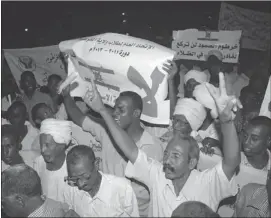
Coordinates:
(252,201)
(38,97)
(208,187)
(49,208)
(114,163)
(52,182)
(115,198)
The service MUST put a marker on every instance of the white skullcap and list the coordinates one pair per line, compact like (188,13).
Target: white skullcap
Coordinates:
(199,76)
(204,97)
(60,130)
(193,111)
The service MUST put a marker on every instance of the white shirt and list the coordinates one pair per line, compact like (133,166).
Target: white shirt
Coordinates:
(209,187)
(52,182)
(115,198)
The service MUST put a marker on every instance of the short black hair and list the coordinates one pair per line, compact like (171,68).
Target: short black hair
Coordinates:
(262,121)
(17,104)
(26,74)
(9,131)
(54,77)
(21,179)
(35,109)
(78,152)
(136,99)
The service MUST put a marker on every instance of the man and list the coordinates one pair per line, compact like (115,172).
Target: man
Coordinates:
(193,209)
(42,111)
(31,95)
(98,194)
(52,85)
(254,200)
(176,182)
(17,115)
(11,149)
(127,112)
(55,138)
(22,194)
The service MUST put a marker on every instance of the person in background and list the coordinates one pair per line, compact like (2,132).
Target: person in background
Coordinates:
(52,85)
(17,117)
(97,194)
(11,153)
(193,209)
(175,181)
(22,194)
(31,95)
(55,138)
(254,200)
(127,112)
(255,141)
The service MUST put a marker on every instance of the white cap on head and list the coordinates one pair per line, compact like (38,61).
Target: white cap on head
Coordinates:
(60,130)
(204,97)
(199,76)
(193,111)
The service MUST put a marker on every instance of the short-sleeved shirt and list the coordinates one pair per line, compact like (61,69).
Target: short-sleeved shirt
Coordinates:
(208,187)
(50,208)
(114,163)
(115,198)
(38,97)
(252,201)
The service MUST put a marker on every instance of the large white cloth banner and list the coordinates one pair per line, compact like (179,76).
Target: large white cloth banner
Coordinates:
(266,104)
(42,61)
(120,63)
(192,44)
(255,26)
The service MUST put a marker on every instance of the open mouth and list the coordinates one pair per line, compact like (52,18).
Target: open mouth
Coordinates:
(117,121)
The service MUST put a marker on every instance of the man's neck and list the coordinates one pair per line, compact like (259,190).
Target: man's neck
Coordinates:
(135,131)
(17,160)
(259,161)
(29,95)
(34,204)
(57,164)
(179,183)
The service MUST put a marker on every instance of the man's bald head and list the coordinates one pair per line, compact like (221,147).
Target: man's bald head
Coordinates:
(193,209)
(78,153)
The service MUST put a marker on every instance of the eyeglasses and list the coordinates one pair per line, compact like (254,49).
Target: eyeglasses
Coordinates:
(72,181)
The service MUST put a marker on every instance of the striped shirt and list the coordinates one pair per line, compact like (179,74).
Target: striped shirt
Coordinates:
(252,201)
(50,208)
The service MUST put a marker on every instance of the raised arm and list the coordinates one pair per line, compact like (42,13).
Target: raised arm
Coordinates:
(122,139)
(227,107)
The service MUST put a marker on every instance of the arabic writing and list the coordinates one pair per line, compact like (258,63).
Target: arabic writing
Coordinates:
(54,58)
(117,43)
(110,51)
(217,46)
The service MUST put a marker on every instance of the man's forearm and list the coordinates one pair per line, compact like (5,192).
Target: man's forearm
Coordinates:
(172,96)
(231,147)
(73,111)
(122,139)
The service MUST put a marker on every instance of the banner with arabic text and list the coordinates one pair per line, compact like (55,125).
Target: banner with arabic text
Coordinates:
(42,61)
(255,26)
(120,63)
(192,44)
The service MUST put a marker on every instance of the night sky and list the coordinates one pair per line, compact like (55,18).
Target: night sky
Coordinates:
(49,23)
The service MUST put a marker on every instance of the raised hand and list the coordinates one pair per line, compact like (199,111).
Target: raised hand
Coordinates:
(93,99)
(171,68)
(226,105)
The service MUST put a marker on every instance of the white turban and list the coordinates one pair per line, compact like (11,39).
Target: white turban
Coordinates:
(204,97)
(199,76)
(60,130)
(193,111)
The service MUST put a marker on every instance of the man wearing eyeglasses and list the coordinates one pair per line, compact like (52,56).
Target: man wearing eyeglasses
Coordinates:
(98,194)
(254,200)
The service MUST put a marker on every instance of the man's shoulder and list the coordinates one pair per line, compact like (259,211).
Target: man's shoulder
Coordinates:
(116,180)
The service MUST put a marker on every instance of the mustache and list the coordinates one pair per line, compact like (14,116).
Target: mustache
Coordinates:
(167,166)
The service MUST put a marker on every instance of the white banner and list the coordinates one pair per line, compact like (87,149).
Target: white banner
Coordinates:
(120,63)
(266,104)
(192,44)
(42,61)
(255,26)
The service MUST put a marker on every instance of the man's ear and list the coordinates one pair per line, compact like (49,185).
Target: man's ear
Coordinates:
(193,163)
(269,143)
(19,146)
(137,113)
